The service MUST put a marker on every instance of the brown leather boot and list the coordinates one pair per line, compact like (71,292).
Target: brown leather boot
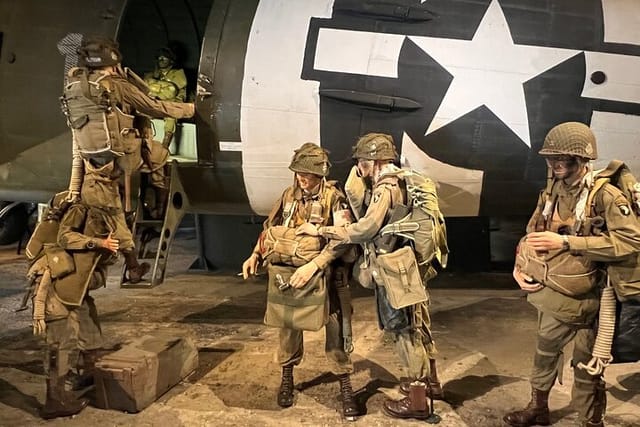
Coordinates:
(536,412)
(59,401)
(89,359)
(135,269)
(413,406)
(349,408)
(434,389)
(160,208)
(285,393)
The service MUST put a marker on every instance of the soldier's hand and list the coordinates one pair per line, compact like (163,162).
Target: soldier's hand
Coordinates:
(303,274)
(191,109)
(39,327)
(110,244)
(307,228)
(250,266)
(544,241)
(525,283)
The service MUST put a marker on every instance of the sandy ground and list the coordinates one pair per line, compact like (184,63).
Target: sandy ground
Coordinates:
(483,326)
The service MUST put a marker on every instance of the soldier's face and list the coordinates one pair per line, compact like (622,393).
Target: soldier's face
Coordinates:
(164,62)
(564,167)
(365,167)
(307,181)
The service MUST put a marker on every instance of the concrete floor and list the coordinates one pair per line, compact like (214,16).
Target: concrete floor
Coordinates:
(483,326)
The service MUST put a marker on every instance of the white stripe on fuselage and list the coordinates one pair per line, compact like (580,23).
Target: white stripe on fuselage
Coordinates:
(621,21)
(280,111)
(618,138)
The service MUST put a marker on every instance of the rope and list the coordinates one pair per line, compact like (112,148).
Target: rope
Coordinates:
(601,355)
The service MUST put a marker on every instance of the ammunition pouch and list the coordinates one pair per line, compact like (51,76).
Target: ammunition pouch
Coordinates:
(280,245)
(398,272)
(305,309)
(60,262)
(46,232)
(563,271)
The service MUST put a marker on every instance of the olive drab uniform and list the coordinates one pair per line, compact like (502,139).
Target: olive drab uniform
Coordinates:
(602,232)
(562,318)
(65,273)
(317,208)
(374,206)
(411,327)
(167,83)
(133,101)
(320,206)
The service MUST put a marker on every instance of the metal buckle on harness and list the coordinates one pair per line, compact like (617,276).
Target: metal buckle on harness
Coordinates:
(282,285)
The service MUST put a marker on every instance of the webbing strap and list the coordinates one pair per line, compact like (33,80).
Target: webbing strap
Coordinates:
(296,302)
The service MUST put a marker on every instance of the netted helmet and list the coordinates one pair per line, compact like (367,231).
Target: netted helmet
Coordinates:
(310,158)
(99,51)
(570,138)
(375,146)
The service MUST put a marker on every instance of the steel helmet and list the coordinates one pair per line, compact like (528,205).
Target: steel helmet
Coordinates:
(375,146)
(310,158)
(99,51)
(570,138)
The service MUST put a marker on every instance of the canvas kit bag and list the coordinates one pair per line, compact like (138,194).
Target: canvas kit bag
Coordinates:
(133,377)
(400,275)
(305,309)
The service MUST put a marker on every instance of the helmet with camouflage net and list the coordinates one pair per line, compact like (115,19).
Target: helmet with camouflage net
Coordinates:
(375,146)
(310,158)
(99,51)
(570,138)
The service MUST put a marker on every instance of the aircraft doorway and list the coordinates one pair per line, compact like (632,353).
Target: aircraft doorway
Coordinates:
(149,25)
(176,28)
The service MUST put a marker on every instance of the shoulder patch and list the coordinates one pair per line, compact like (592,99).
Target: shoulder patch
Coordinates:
(623,205)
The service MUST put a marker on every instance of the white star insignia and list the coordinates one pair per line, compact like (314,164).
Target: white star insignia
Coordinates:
(489,70)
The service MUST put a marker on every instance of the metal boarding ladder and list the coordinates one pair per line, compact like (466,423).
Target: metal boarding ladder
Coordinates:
(163,230)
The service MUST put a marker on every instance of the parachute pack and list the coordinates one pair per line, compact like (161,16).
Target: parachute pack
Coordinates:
(624,275)
(424,224)
(98,126)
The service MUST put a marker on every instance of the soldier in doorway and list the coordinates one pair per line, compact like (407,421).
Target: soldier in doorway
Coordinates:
(167,82)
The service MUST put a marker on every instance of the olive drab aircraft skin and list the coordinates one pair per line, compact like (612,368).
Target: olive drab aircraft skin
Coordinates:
(468,89)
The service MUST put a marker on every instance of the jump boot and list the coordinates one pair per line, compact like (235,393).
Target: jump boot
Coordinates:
(89,359)
(434,389)
(536,412)
(162,196)
(134,268)
(349,408)
(60,402)
(413,406)
(599,406)
(285,393)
